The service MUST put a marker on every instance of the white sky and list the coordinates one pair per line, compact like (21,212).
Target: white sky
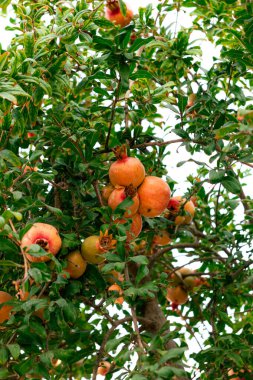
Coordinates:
(179,174)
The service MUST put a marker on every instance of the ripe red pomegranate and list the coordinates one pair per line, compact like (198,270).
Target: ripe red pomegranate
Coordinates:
(177,295)
(161,238)
(126,170)
(182,277)
(120,194)
(104,368)
(6,309)
(93,247)
(154,194)
(135,226)
(174,206)
(113,13)
(46,236)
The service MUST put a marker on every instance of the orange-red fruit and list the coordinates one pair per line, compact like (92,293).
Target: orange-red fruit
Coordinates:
(161,238)
(120,194)
(31,135)
(113,14)
(174,206)
(76,265)
(45,236)
(177,295)
(106,192)
(6,309)
(104,368)
(154,194)
(135,226)
(178,278)
(126,170)
(231,373)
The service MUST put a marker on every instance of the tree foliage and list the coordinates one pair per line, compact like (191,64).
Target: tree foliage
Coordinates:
(73,86)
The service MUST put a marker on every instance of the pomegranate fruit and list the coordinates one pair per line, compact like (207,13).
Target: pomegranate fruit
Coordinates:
(104,368)
(154,194)
(126,170)
(120,194)
(93,247)
(231,373)
(106,192)
(177,295)
(113,13)
(178,278)
(76,265)
(135,226)
(46,236)
(175,205)
(161,238)
(5,309)
(31,135)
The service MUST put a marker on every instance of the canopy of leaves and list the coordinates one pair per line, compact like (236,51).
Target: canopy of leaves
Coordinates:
(73,86)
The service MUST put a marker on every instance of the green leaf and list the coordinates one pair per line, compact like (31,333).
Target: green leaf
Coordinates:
(4,373)
(3,355)
(216,175)
(14,350)
(139,377)
(141,259)
(139,42)
(123,7)
(173,354)
(10,157)
(141,273)
(141,74)
(231,184)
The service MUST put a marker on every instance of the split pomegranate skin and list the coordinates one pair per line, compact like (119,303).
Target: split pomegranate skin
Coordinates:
(44,235)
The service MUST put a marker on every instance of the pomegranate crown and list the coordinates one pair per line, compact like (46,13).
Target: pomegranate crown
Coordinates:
(113,5)
(120,152)
(106,241)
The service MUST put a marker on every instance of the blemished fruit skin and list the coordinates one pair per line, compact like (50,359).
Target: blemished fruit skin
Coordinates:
(113,14)
(118,196)
(127,171)
(177,295)
(6,309)
(44,235)
(154,195)
(104,368)
(91,250)
(76,265)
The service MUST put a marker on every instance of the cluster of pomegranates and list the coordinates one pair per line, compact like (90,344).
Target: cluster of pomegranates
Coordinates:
(113,13)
